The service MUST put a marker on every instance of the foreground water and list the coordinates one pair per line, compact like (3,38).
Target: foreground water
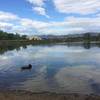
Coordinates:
(56,68)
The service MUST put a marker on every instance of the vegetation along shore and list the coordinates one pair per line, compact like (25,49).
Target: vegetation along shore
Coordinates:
(24,95)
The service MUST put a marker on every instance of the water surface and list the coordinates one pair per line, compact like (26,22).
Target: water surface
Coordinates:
(56,68)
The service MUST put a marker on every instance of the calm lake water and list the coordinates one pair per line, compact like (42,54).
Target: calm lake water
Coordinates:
(56,68)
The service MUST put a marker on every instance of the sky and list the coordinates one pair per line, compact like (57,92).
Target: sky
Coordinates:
(56,17)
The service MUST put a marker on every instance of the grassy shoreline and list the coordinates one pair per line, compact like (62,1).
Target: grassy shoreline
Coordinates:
(25,42)
(25,95)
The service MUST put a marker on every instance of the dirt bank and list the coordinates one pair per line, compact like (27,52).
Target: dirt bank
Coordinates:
(24,95)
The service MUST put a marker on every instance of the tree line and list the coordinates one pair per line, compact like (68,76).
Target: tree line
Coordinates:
(11,36)
(86,37)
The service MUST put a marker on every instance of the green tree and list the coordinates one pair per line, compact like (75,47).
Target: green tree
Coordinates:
(24,37)
(87,37)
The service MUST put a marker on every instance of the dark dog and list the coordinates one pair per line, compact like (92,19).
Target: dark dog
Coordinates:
(26,67)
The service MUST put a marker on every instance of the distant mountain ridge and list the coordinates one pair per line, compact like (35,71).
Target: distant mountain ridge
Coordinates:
(68,36)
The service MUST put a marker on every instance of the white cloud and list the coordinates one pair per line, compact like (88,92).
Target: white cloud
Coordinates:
(98,15)
(77,6)
(31,26)
(40,11)
(5,16)
(5,26)
(33,23)
(72,25)
(38,6)
(37,2)
(64,31)
(87,23)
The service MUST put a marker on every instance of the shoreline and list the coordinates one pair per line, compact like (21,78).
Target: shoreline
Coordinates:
(27,95)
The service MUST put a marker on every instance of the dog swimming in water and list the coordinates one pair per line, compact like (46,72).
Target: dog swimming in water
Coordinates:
(28,67)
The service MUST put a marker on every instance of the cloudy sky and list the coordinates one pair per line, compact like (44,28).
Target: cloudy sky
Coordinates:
(35,17)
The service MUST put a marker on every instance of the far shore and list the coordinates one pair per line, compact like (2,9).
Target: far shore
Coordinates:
(7,42)
(25,42)
(25,95)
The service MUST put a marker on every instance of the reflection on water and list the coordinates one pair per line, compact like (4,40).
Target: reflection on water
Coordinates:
(56,68)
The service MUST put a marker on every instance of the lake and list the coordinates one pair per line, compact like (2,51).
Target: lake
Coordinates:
(59,68)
